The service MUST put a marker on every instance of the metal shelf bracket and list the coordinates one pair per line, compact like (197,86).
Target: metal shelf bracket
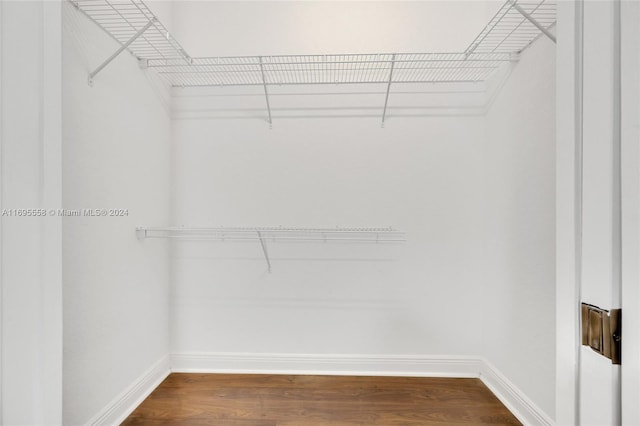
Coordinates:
(266,96)
(141,233)
(263,243)
(386,98)
(531,19)
(120,50)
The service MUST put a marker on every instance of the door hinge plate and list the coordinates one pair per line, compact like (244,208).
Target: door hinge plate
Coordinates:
(602,331)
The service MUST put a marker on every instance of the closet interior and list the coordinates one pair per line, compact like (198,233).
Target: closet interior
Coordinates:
(403,202)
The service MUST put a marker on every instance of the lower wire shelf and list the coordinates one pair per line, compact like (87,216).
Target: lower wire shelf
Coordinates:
(276,234)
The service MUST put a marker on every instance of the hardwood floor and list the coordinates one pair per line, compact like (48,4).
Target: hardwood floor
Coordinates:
(280,400)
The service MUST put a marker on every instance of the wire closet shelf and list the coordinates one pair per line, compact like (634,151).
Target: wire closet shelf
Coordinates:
(136,29)
(277,234)
(124,19)
(512,29)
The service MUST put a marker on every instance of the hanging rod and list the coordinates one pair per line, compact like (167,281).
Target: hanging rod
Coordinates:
(277,234)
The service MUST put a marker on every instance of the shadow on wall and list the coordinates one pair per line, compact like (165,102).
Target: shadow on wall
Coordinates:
(407,100)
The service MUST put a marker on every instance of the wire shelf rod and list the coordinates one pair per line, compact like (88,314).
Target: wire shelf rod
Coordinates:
(278,60)
(445,68)
(208,84)
(298,65)
(274,239)
(336,230)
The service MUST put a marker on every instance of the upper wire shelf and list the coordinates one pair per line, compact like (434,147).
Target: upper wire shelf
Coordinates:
(331,69)
(513,28)
(507,34)
(124,19)
(130,22)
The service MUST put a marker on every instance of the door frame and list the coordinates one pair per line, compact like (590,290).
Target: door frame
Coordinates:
(568,202)
(568,209)
(630,211)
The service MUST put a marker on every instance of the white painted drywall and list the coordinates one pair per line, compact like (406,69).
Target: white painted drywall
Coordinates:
(519,298)
(475,195)
(422,175)
(237,28)
(163,10)
(419,175)
(115,156)
(31,280)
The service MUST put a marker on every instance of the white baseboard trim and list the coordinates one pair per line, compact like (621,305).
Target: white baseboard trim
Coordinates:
(512,397)
(360,365)
(117,410)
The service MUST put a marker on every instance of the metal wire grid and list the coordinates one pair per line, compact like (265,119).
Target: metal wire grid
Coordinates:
(507,33)
(510,31)
(282,235)
(363,235)
(123,19)
(330,69)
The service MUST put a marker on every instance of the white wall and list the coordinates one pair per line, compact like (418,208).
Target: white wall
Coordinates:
(421,176)
(30,178)
(475,195)
(115,156)
(237,28)
(519,326)
(163,10)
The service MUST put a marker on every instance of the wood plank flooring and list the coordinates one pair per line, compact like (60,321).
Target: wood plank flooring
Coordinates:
(283,400)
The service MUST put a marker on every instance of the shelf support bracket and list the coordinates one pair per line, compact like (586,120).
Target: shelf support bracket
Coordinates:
(386,99)
(264,250)
(141,233)
(531,19)
(266,96)
(121,49)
